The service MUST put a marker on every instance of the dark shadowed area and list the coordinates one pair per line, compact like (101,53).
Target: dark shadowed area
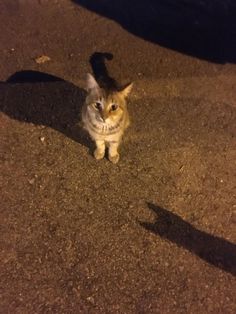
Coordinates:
(214,250)
(44,105)
(204,29)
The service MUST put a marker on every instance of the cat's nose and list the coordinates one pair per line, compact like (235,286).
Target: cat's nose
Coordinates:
(102,119)
(104,116)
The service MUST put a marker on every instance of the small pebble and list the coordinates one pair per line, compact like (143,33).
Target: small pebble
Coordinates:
(31,181)
(42,59)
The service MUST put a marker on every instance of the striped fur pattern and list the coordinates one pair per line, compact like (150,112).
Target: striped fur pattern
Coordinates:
(105,117)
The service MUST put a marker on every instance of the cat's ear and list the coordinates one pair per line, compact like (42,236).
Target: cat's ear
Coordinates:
(126,90)
(91,83)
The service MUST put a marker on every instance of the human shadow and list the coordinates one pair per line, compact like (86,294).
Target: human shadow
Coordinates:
(205,29)
(214,250)
(43,99)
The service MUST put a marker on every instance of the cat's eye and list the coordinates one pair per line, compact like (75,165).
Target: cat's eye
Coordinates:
(114,107)
(98,105)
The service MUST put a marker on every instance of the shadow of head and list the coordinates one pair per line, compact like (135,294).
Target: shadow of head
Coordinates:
(98,64)
(204,29)
(44,99)
(214,250)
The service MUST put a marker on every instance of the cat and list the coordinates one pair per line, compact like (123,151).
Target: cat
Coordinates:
(105,117)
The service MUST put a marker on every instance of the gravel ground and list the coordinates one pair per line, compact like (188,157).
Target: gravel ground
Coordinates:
(154,233)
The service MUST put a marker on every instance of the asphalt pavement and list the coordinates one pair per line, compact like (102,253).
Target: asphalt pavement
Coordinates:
(154,233)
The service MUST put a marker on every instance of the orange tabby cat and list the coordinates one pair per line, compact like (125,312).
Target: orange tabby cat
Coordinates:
(105,117)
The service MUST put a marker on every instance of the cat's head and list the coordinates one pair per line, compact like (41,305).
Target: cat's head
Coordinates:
(106,106)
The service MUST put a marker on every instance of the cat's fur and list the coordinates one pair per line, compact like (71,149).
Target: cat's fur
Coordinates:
(105,117)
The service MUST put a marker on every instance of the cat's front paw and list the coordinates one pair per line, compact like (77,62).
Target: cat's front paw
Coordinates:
(114,159)
(98,154)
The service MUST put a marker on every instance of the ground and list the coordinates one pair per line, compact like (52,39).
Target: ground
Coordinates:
(154,233)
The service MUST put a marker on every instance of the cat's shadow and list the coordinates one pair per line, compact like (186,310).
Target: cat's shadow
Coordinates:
(43,99)
(214,250)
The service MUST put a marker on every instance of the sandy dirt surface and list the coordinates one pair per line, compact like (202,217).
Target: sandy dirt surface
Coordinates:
(155,233)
